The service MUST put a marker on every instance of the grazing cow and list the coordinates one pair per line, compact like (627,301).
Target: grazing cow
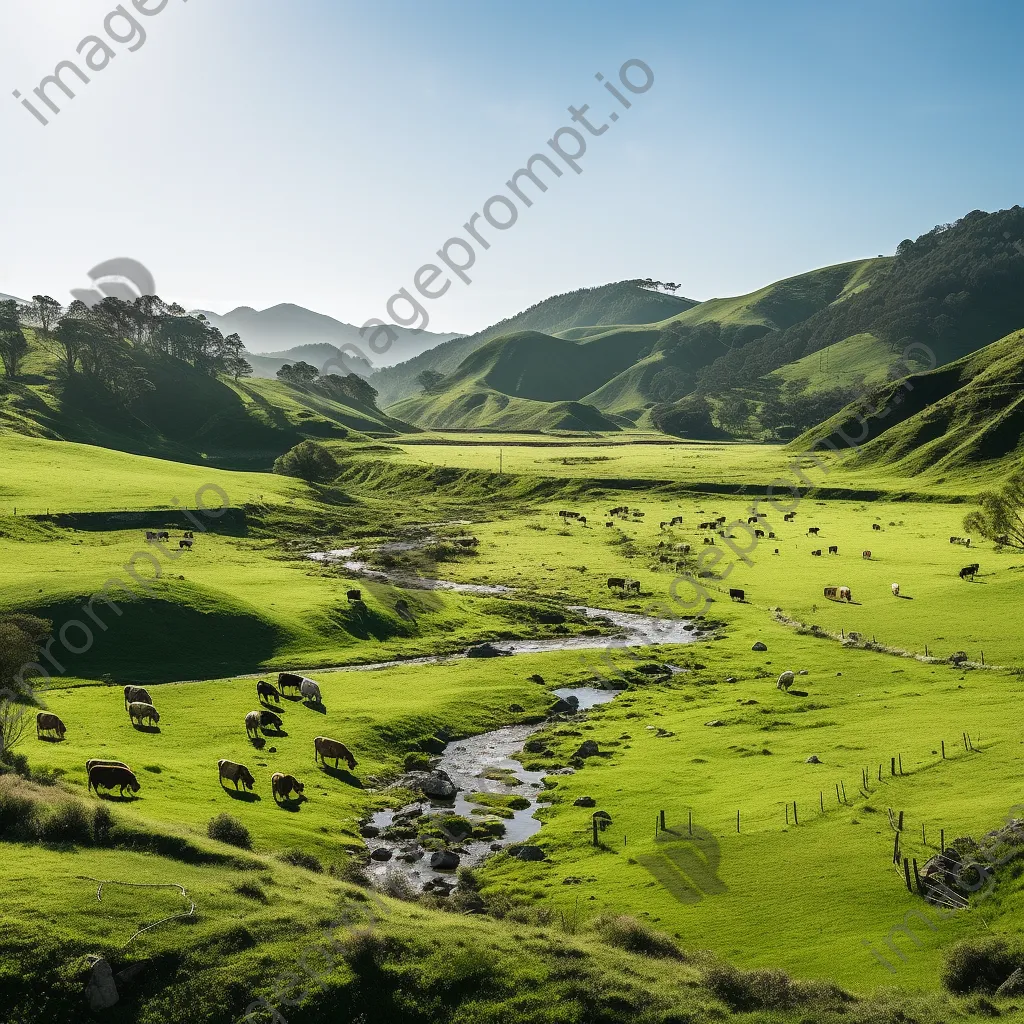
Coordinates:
(814,530)
(269,720)
(776,551)
(832,593)
(736,595)
(958,657)
(866,554)
(661,526)
(833,549)
(709,540)
(969,571)
(185,545)
(616,582)
(895,590)
(268,691)
(355,595)
(288,679)
(967,542)
(609,524)
(817,553)
(97,761)
(582,519)
(845,595)
(875,526)
(311,691)
(789,517)
(163,535)
(771,536)
(284,785)
(252,725)
(758,533)
(234,772)
(677,521)
(136,695)
(151,536)
(325,749)
(45,722)
(953,540)
(188,535)
(1003,540)
(140,712)
(111,776)
(785,681)
(751,519)
(685,548)
(633,585)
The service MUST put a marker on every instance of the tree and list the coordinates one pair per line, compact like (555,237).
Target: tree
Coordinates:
(689,417)
(353,387)
(308,461)
(43,314)
(733,412)
(1000,515)
(21,637)
(430,381)
(298,373)
(13,346)
(238,367)
(14,723)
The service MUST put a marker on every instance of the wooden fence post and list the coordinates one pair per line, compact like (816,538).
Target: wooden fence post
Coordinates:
(896,849)
(943,750)
(917,879)
(690,824)
(900,824)
(892,768)
(838,801)
(901,764)
(879,773)
(906,873)
(662,821)
(787,812)
(843,784)
(796,821)
(821,800)
(942,840)
(737,821)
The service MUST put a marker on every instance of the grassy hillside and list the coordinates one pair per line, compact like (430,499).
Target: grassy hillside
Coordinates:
(963,417)
(188,415)
(569,315)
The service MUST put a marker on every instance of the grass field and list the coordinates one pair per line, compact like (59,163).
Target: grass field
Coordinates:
(818,899)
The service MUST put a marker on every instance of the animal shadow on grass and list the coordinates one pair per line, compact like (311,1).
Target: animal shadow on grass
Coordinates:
(320,709)
(685,865)
(50,739)
(274,734)
(258,742)
(292,804)
(797,693)
(904,597)
(118,798)
(342,775)
(242,794)
(152,729)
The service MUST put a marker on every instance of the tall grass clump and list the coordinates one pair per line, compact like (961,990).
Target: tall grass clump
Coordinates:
(227,829)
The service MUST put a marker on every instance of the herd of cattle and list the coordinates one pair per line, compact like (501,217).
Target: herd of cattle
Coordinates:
(138,702)
(668,553)
(185,544)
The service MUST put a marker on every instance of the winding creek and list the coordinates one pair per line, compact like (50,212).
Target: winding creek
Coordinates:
(484,764)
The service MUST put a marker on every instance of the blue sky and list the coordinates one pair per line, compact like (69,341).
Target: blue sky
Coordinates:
(320,151)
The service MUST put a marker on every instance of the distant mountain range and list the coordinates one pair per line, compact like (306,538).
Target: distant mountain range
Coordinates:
(286,327)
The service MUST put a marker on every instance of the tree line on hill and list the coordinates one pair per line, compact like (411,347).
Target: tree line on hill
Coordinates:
(348,388)
(954,289)
(104,343)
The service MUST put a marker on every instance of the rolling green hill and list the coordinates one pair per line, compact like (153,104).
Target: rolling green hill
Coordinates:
(188,415)
(968,414)
(570,315)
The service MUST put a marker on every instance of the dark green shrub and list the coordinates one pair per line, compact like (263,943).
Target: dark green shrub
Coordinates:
(301,859)
(634,936)
(979,965)
(226,829)
(308,461)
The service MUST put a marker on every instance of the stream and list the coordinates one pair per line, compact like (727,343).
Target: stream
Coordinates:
(468,762)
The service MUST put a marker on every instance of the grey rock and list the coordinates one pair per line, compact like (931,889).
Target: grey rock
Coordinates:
(445,860)
(759,646)
(813,759)
(101,991)
(369,831)
(528,853)
(439,785)
(382,853)
(588,748)
(1013,986)
(715,724)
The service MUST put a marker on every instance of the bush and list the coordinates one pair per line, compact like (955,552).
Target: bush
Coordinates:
(251,891)
(226,829)
(979,966)
(64,821)
(750,990)
(634,936)
(308,461)
(301,859)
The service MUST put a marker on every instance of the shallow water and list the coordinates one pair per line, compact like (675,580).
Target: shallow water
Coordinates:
(466,761)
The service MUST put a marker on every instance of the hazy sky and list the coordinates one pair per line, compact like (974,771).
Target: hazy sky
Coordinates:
(319,151)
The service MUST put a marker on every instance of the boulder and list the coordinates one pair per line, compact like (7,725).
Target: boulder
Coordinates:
(101,991)
(528,853)
(516,709)
(730,679)
(715,724)
(813,759)
(485,651)
(588,748)
(534,746)
(584,801)
(759,646)
(802,672)
(1013,986)
(445,860)
(369,831)
(569,706)
(381,853)
(495,847)
(439,785)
